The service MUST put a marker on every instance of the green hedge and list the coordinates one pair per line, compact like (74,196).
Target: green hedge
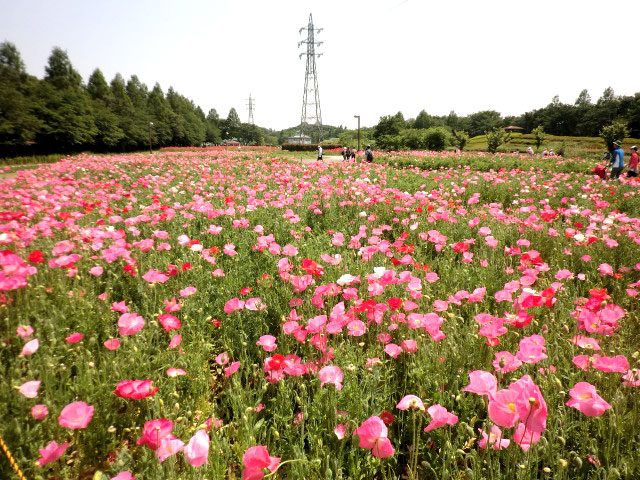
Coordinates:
(307,147)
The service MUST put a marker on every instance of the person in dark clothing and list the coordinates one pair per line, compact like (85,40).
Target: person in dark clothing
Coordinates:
(353,153)
(368,154)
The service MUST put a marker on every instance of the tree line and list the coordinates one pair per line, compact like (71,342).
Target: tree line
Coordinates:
(583,118)
(62,114)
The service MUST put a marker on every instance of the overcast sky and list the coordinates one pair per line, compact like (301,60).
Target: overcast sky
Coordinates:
(379,56)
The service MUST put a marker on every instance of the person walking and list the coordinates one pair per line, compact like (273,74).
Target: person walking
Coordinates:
(368,154)
(319,153)
(347,153)
(633,162)
(617,160)
(344,153)
(353,153)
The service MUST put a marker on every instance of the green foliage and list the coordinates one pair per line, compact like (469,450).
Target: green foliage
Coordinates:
(495,138)
(615,132)
(437,138)
(539,135)
(307,147)
(480,122)
(389,126)
(460,139)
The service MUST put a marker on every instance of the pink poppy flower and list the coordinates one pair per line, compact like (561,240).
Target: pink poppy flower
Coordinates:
(222,359)
(30,347)
(169,322)
(530,404)
(524,437)
(356,328)
(233,305)
(585,399)
(494,439)
(74,338)
(254,304)
(154,276)
(505,362)
(51,452)
(331,374)
(175,340)
(135,389)
(481,382)
(24,331)
(96,271)
(197,450)
(409,346)
(30,389)
(39,412)
(188,291)
(410,401)
(440,417)
(267,342)
(341,430)
(76,415)
(619,363)
(154,431)
(255,460)
(373,435)
(169,446)
(586,342)
(126,475)
(392,350)
(174,372)
(231,369)
(120,307)
(112,344)
(502,408)
(130,323)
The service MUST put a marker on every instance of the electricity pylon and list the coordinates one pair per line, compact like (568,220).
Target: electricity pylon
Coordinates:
(311,118)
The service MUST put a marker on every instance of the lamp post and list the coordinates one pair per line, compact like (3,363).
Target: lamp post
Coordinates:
(150,149)
(358,117)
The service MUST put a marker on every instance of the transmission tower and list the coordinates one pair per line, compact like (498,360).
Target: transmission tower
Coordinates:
(251,106)
(311,115)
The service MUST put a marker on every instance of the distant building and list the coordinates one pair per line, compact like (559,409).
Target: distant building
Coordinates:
(299,138)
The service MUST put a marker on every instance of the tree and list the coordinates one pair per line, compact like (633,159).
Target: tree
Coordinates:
(436,138)
(212,133)
(539,135)
(389,125)
(161,115)
(10,57)
(64,107)
(583,99)
(460,139)
(124,111)
(483,121)
(59,71)
(108,134)
(423,120)
(19,123)
(614,132)
(231,125)
(495,138)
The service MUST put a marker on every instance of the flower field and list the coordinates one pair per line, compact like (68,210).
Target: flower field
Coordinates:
(241,314)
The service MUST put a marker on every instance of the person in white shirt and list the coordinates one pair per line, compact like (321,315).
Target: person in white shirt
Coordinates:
(319,153)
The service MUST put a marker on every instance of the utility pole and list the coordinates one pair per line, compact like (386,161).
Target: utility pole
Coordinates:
(358,117)
(251,106)
(311,113)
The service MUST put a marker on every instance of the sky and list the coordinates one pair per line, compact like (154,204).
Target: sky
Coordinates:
(378,56)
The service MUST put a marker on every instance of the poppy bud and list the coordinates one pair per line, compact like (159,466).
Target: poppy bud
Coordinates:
(563,463)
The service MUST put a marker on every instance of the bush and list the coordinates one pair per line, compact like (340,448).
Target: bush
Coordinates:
(437,138)
(615,131)
(495,138)
(459,139)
